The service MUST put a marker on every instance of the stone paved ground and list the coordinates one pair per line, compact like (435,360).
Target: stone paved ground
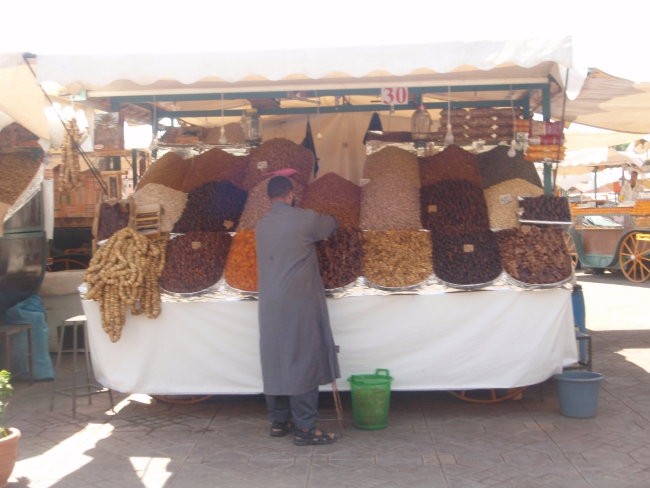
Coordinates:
(433,439)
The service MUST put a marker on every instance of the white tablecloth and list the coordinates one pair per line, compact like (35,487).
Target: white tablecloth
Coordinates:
(445,341)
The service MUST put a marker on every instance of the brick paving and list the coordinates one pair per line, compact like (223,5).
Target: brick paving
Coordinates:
(433,439)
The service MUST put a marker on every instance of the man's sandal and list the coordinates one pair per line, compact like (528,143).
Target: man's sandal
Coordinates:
(313,437)
(280,429)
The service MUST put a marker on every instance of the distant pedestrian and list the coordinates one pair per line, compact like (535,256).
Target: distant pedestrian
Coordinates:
(630,189)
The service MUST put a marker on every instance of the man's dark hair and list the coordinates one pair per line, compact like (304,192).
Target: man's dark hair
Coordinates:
(279,186)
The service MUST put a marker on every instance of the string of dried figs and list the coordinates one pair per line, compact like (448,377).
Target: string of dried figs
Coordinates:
(195,261)
(212,207)
(124,273)
(397,258)
(454,204)
(334,195)
(241,263)
(535,255)
(69,178)
(340,257)
(546,207)
(466,259)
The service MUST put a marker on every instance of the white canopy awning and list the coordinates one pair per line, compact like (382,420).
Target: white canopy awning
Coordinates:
(21,98)
(365,66)
(610,103)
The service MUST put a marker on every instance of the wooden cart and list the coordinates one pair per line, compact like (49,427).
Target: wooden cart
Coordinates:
(612,238)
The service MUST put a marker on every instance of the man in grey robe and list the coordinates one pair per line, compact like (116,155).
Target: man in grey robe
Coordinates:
(296,344)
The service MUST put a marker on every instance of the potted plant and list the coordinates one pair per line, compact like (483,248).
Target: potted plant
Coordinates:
(9,436)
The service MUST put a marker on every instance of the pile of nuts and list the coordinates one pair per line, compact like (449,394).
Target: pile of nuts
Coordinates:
(169,170)
(215,165)
(17,169)
(453,205)
(391,199)
(452,163)
(340,257)
(334,195)
(502,201)
(195,261)
(258,203)
(466,259)
(546,208)
(535,255)
(241,264)
(212,207)
(495,166)
(397,258)
(172,203)
(277,154)
(112,217)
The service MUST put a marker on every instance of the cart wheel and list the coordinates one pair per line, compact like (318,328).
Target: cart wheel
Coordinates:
(182,399)
(489,396)
(571,248)
(634,256)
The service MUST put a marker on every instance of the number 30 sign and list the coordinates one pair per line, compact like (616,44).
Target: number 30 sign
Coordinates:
(395,95)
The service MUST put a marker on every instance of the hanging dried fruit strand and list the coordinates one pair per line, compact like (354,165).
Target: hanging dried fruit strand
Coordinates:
(70,179)
(124,272)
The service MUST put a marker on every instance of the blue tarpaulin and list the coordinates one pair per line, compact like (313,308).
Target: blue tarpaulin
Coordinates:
(30,311)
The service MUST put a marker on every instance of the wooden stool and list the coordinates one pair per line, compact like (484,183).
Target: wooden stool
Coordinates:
(90,386)
(6,332)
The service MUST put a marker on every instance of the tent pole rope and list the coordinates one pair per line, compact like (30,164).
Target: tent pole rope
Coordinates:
(91,166)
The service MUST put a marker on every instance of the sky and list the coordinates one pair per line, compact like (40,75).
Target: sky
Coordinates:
(611,37)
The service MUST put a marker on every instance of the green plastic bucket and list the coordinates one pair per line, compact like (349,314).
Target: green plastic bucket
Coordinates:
(370,399)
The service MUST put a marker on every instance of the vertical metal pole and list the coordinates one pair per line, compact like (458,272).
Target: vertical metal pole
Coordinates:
(134,167)
(546,113)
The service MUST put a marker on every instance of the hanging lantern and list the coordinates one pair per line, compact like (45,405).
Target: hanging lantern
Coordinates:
(449,136)
(421,126)
(254,127)
(222,137)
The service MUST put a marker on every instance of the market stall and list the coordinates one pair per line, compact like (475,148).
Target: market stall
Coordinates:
(449,309)
(452,330)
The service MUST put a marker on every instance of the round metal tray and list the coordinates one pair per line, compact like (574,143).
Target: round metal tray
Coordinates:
(537,286)
(413,287)
(472,286)
(185,294)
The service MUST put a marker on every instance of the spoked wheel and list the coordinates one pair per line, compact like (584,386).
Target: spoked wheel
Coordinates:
(571,248)
(182,399)
(634,256)
(489,396)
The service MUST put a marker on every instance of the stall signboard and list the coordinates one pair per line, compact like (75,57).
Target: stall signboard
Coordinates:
(395,95)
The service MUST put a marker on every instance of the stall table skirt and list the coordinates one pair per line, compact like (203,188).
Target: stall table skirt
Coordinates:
(445,341)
